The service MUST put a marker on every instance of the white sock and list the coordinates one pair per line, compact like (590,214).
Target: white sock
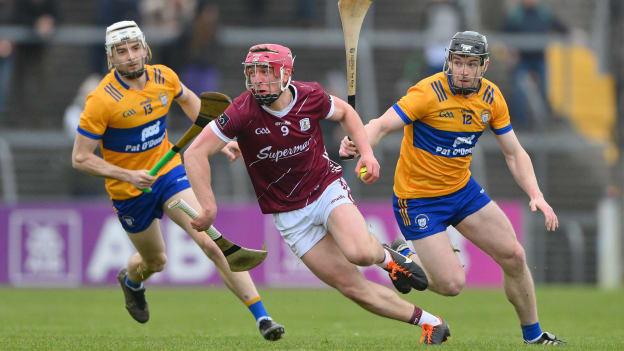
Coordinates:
(387,258)
(428,318)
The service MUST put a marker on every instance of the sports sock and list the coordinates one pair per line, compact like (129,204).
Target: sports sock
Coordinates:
(420,317)
(256,307)
(531,332)
(406,252)
(133,285)
(387,259)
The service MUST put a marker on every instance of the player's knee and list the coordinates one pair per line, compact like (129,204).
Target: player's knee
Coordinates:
(451,287)
(361,258)
(514,259)
(157,263)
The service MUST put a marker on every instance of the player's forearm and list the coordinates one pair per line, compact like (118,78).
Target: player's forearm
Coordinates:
(199,175)
(354,128)
(522,170)
(190,111)
(95,165)
(190,104)
(375,131)
(385,124)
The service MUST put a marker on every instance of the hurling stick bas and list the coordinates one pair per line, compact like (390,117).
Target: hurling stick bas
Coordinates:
(239,258)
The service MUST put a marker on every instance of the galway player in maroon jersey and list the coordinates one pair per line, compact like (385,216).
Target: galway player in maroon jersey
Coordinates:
(275,126)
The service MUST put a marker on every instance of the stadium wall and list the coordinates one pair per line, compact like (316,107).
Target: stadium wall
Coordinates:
(75,244)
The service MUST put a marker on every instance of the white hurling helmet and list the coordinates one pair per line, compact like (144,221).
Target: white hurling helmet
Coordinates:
(125,31)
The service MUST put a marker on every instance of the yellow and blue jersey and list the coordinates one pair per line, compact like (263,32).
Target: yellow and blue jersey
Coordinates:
(131,124)
(441,131)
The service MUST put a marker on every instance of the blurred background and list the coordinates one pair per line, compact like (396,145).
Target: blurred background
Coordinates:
(557,62)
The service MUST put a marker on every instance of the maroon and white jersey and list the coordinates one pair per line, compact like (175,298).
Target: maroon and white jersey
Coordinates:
(283,150)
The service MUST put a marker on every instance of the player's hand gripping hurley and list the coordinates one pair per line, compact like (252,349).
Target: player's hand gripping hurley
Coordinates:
(239,258)
(213,104)
(352,13)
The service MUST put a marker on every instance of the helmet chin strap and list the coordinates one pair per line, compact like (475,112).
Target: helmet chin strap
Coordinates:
(268,99)
(462,90)
(132,75)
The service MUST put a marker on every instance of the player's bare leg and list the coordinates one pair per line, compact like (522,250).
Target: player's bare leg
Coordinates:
(149,259)
(150,256)
(240,283)
(444,270)
(492,232)
(490,229)
(327,261)
(359,247)
(355,242)
(349,243)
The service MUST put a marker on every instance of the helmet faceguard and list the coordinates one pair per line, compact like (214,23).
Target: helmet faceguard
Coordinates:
(126,33)
(467,44)
(268,59)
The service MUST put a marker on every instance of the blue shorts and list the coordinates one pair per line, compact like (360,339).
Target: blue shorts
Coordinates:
(137,213)
(421,217)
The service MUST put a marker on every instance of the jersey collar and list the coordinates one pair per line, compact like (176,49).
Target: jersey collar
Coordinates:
(287,109)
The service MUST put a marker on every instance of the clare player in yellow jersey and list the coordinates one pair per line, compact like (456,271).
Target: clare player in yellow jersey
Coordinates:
(126,116)
(442,118)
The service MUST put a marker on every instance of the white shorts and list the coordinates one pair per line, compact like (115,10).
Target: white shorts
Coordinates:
(303,228)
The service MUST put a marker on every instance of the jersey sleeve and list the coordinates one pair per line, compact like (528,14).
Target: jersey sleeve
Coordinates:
(323,100)
(501,121)
(94,118)
(412,106)
(332,107)
(228,126)
(171,79)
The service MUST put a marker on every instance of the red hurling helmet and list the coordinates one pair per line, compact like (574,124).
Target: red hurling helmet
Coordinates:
(273,56)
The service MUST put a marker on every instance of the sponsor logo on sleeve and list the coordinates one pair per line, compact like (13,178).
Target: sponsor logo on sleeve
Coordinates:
(223,120)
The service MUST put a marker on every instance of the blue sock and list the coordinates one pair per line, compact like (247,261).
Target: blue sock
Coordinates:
(133,285)
(531,332)
(258,311)
(406,252)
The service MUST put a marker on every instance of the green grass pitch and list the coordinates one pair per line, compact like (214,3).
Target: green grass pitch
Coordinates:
(212,319)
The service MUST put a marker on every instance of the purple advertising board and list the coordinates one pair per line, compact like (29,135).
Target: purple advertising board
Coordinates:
(75,244)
